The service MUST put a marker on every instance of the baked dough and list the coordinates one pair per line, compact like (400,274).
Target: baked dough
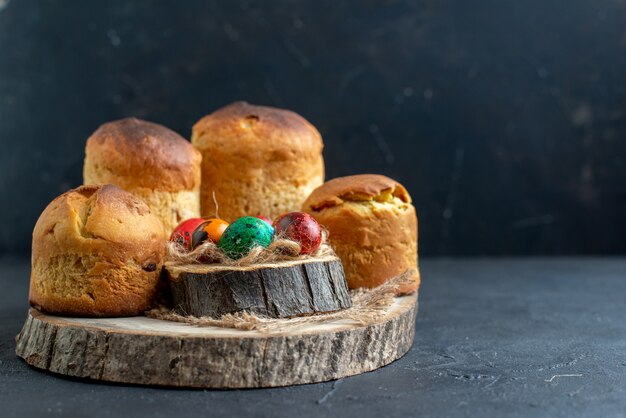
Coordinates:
(150,161)
(97,251)
(257,160)
(372,226)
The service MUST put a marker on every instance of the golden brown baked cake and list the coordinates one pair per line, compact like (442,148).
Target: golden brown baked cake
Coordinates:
(150,161)
(97,251)
(257,160)
(372,226)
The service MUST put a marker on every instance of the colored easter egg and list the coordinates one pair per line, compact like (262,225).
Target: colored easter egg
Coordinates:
(183,232)
(302,228)
(211,229)
(243,235)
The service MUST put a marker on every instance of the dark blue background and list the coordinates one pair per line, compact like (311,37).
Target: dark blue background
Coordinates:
(506,120)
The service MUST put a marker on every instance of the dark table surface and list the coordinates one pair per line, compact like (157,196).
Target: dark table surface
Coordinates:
(495,337)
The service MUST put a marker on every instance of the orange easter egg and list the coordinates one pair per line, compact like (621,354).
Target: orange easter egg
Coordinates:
(212,229)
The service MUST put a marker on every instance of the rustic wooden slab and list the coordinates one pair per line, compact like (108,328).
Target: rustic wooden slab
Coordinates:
(147,351)
(279,290)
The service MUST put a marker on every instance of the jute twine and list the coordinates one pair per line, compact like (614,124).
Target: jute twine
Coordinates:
(368,307)
(280,249)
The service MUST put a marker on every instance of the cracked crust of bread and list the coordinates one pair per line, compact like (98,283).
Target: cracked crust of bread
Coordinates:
(372,226)
(96,251)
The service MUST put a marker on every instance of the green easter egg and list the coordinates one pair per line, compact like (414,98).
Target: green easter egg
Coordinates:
(243,235)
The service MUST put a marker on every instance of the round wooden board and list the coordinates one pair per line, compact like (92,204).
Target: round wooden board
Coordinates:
(147,351)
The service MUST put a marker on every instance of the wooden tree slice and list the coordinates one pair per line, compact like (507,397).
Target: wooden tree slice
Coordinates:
(141,350)
(278,290)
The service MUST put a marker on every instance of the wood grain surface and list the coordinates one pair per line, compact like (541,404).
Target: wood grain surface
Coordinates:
(279,290)
(148,351)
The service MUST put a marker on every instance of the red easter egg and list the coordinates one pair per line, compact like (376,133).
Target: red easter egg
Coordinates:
(183,232)
(302,228)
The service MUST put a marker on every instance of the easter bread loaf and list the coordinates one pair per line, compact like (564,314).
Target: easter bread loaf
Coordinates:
(150,161)
(256,160)
(97,251)
(372,226)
